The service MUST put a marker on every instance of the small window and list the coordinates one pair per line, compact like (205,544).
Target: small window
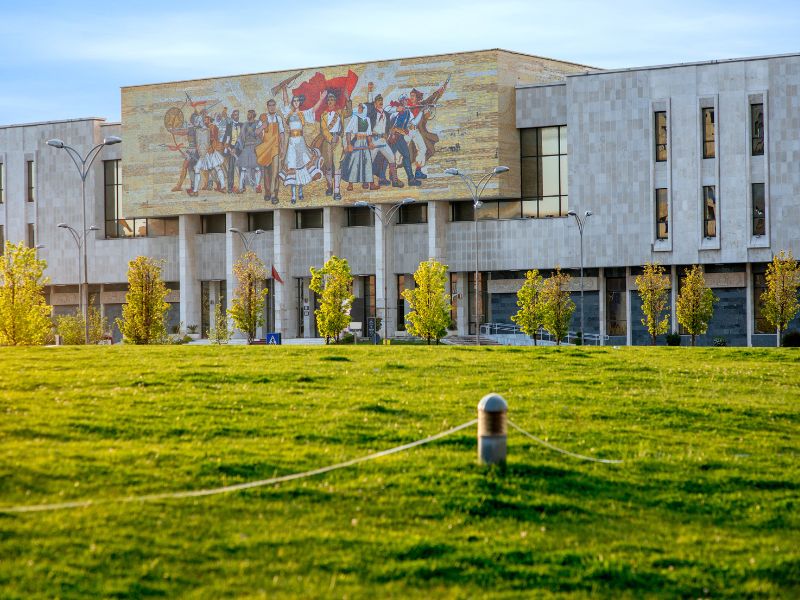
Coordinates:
(360,216)
(31,235)
(661,135)
(662,214)
(30,178)
(708,133)
(308,219)
(401,303)
(487,211)
(509,209)
(757,129)
(112,196)
(162,227)
(2,183)
(709,211)
(759,210)
(462,211)
(265,221)
(413,213)
(212,223)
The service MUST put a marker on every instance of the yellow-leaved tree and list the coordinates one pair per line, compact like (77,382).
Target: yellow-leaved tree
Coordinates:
(247,308)
(144,313)
(557,305)
(530,316)
(779,300)
(24,313)
(653,286)
(429,302)
(695,304)
(332,284)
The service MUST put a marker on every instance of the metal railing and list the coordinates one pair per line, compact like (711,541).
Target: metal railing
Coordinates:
(589,339)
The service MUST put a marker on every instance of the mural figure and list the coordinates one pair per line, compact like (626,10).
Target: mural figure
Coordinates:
(331,126)
(268,152)
(230,142)
(249,171)
(382,155)
(210,159)
(301,164)
(357,163)
(399,123)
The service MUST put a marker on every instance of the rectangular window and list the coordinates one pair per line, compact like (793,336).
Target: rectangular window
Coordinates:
(453,300)
(757,129)
(212,223)
(709,211)
(161,227)
(112,175)
(544,163)
(616,303)
(2,183)
(462,211)
(759,210)
(30,235)
(265,221)
(487,211)
(662,214)
(708,133)
(412,214)
(761,323)
(401,303)
(661,135)
(308,219)
(30,179)
(360,216)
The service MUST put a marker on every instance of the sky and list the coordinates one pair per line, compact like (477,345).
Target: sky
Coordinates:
(67,60)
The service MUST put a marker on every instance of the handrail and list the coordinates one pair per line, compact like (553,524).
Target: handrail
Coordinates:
(571,337)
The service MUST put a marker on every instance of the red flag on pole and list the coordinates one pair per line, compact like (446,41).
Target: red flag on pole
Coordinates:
(275,275)
(341,86)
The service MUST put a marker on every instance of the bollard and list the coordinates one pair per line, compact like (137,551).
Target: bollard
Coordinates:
(492,430)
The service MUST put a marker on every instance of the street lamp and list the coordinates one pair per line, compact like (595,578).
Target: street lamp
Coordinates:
(386,220)
(581,224)
(83,164)
(476,190)
(246,240)
(80,243)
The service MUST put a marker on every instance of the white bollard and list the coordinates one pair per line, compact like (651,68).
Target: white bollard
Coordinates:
(492,429)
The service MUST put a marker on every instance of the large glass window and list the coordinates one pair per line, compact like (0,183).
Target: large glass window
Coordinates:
(410,214)
(761,323)
(708,133)
(308,219)
(112,175)
(265,221)
(360,216)
(662,214)
(161,227)
(757,129)
(30,180)
(759,209)
(616,306)
(543,158)
(709,211)
(661,135)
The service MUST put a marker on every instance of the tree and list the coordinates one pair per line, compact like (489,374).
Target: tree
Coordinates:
(695,304)
(220,333)
(429,302)
(653,287)
(780,297)
(71,328)
(24,313)
(247,308)
(557,305)
(145,309)
(530,316)
(332,284)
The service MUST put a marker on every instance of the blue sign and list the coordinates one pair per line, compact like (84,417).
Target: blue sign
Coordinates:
(273,339)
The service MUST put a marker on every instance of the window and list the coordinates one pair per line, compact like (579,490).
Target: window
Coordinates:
(161,227)
(2,240)
(543,158)
(308,219)
(2,186)
(212,223)
(401,303)
(112,194)
(410,214)
(708,133)
(462,211)
(30,235)
(616,306)
(662,214)
(759,210)
(453,300)
(709,211)
(360,216)
(264,221)
(761,323)
(30,179)
(757,129)
(661,135)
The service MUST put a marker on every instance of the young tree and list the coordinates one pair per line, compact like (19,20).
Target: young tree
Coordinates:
(24,314)
(780,297)
(145,309)
(220,333)
(653,286)
(332,283)
(530,316)
(557,305)
(71,328)
(695,304)
(429,302)
(247,309)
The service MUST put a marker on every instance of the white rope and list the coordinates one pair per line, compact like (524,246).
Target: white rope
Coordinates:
(557,449)
(234,488)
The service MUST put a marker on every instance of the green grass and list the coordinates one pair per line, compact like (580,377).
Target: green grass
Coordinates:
(705,505)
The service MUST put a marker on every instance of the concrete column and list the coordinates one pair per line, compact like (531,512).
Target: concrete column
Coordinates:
(308,311)
(188,229)
(601,301)
(628,310)
(437,222)
(285,311)
(333,220)
(462,316)
(749,303)
(384,271)
(234,248)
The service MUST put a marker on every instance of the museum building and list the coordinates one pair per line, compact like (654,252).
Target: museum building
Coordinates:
(683,164)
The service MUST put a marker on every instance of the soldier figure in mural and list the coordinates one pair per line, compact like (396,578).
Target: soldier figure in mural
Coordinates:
(210,159)
(382,156)
(268,152)
(230,139)
(302,164)
(249,170)
(399,134)
(331,125)
(357,163)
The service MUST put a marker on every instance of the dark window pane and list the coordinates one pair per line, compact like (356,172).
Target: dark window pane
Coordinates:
(662,214)
(529,142)
(309,219)
(462,211)
(359,216)
(487,211)
(757,128)
(759,209)
(213,223)
(616,306)
(31,180)
(531,180)
(413,213)
(261,220)
(708,133)
(510,209)
(661,136)
(709,211)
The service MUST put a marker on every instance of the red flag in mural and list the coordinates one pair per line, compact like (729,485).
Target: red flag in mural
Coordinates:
(275,275)
(341,86)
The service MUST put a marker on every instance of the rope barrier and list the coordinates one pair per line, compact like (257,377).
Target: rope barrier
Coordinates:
(236,487)
(557,449)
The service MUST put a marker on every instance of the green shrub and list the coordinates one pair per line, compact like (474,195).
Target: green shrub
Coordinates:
(791,339)
(720,341)
(673,339)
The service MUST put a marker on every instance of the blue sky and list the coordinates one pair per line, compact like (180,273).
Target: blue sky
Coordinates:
(69,59)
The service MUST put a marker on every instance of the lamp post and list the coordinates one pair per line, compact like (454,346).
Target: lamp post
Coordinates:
(246,240)
(80,243)
(581,224)
(83,164)
(386,220)
(476,190)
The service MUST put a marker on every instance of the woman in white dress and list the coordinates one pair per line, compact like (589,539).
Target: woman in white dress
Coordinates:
(302,164)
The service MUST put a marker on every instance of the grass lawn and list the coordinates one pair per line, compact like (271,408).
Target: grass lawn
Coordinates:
(706,503)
